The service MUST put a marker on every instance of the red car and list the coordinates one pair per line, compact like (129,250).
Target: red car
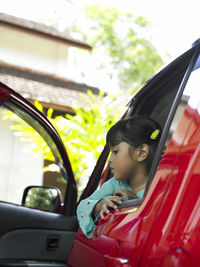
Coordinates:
(162,229)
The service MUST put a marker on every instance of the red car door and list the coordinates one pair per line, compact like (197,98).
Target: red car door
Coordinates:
(174,238)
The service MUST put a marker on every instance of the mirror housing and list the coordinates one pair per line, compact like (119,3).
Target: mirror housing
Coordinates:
(45,198)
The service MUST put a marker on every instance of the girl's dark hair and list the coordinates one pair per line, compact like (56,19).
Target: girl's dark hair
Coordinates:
(135,131)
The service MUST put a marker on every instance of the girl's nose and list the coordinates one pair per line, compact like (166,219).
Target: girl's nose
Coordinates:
(110,159)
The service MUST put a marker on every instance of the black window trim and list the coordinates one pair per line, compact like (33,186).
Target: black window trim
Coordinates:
(171,116)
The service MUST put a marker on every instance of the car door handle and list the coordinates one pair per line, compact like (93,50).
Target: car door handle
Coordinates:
(115,261)
(52,242)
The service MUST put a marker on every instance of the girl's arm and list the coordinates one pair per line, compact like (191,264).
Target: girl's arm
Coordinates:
(87,213)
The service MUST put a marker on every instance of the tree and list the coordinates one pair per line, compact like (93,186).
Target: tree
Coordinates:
(120,38)
(85,137)
(40,198)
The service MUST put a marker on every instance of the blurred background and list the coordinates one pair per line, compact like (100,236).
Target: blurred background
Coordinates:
(171,27)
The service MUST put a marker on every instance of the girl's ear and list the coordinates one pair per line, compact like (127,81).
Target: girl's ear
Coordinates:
(143,152)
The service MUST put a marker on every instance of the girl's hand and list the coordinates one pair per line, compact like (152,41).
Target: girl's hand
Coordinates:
(104,205)
(125,192)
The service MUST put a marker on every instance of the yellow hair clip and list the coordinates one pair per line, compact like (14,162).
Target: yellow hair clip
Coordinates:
(154,135)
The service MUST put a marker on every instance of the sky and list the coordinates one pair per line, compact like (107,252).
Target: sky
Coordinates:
(174,23)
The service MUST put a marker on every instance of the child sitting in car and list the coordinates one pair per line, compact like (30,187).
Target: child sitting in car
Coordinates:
(132,142)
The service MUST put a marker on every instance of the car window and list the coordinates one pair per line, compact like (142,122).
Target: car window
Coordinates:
(188,102)
(184,96)
(158,101)
(28,155)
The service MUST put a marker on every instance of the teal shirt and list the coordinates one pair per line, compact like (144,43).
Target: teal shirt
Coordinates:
(86,206)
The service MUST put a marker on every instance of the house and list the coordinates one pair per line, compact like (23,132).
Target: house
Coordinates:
(36,61)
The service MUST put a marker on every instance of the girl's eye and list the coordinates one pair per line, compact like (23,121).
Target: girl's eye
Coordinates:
(115,152)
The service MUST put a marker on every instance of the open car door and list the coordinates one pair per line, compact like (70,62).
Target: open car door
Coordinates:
(33,235)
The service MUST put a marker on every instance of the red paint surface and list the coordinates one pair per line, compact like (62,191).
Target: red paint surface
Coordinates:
(164,230)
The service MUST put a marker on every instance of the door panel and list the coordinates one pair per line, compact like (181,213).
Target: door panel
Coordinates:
(34,244)
(17,217)
(8,263)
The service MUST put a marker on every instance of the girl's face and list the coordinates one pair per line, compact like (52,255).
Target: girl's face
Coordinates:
(123,161)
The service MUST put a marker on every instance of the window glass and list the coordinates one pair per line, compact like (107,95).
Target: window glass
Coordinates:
(28,155)
(190,99)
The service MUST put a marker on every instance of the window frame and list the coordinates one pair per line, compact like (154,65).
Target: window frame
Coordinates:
(171,117)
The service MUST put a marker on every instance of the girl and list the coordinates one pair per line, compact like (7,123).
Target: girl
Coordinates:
(133,142)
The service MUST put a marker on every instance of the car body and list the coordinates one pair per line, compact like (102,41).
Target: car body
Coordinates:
(162,229)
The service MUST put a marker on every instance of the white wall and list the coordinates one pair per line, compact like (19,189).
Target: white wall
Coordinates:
(18,166)
(33,51)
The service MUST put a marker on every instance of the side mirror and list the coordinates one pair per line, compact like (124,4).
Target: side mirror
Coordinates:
(43,198)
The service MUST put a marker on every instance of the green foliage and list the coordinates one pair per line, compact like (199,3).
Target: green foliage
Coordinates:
(83,134)
(29,135)
(40,198)
(120,36)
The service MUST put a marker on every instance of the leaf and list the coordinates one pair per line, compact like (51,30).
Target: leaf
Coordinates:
(38,105)
(49,113)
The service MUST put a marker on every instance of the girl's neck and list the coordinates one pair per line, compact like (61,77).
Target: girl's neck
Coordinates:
(138,181)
